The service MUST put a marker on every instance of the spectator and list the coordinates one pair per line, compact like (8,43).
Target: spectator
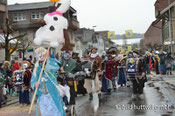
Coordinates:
(168,63)
(8,76)
(24,93)
(2,79)
(162,64)
(16,64)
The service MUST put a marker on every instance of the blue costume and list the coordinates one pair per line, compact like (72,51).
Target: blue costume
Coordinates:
(48,99)
(121,76)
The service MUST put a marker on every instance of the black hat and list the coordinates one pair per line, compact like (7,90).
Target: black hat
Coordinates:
(75,55)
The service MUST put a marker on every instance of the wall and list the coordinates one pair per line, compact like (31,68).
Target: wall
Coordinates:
(153,35)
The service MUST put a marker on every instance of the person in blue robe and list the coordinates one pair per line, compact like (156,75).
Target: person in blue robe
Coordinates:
(49,101)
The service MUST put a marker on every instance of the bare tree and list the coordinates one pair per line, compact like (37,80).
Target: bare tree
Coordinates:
(25,42)
(7,32)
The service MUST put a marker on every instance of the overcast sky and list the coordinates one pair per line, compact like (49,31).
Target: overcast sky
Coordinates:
(112,15)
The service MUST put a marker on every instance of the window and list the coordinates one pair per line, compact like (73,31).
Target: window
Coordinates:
(37,15)
(19,17)
(1,17)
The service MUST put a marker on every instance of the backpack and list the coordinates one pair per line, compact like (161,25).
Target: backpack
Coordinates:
(132,66)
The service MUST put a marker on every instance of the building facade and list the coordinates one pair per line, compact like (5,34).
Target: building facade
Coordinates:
(87,39)
(153,37)
(165,12)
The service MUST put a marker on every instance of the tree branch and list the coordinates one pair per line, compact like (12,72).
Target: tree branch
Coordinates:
(18,37)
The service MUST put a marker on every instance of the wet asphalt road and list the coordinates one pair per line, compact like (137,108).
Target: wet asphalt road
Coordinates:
(156,101)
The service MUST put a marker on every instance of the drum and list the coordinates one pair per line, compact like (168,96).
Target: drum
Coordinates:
(18,77)
(80,75)
(64,77)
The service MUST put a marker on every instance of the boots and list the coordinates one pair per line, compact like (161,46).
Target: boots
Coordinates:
(90,96)
(99,96)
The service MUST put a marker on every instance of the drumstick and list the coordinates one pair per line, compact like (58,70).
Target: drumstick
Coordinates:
(33,99)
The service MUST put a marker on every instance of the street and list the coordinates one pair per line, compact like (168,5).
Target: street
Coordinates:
(158,100)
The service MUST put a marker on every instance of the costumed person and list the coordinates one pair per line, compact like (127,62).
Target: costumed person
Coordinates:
(115,72)
(9,83)
(162,66)
(136,71)
(168,63)
(107,67)
(156,63)
(68,65)
(16,64)
(121,72)
(49,101)
(95,71)
(148,62)
(24,93)
(79,70)
(52,33)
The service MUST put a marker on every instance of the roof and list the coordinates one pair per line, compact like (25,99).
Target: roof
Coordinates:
(162,4)
(28,6)
(152,28)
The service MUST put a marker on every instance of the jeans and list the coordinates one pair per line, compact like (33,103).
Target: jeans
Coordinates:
(24,97)
(148,69)
(162,69)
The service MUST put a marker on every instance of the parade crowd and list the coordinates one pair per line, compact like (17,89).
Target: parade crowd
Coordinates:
(106,73)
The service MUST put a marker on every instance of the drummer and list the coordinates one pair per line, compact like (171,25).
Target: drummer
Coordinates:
(68,65)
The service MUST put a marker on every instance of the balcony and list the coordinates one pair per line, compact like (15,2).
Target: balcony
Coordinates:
(73,24)
(3,2)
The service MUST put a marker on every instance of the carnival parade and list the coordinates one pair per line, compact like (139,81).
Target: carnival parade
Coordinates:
(68,71)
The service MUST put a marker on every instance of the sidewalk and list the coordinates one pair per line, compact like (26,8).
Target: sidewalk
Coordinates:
(167,78)
(11,100)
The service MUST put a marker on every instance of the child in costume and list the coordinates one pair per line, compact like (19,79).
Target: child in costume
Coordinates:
(49,101)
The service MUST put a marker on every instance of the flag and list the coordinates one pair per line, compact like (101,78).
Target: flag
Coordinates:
(111,35)
(128,33)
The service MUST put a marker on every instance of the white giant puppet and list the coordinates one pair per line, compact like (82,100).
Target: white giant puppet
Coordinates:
(53,32)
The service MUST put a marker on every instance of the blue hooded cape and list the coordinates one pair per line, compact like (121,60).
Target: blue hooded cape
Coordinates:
(52,67)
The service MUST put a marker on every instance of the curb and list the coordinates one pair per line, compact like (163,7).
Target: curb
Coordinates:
(11,103)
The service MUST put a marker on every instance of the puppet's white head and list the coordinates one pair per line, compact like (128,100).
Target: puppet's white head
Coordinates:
(52,33)
(64,5)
